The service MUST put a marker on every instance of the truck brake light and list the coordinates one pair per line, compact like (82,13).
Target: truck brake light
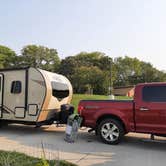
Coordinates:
(80,109)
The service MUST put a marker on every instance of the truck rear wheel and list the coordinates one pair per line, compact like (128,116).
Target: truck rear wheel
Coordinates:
(110,131)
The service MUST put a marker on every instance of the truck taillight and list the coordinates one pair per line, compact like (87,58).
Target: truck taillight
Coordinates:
(80,109)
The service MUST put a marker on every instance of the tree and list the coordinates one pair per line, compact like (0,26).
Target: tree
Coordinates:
(7,57)
(98,59)
(68,67)
(40,56)
(126,70)
(151,74)
(131,71)
(88,72)
(90,80)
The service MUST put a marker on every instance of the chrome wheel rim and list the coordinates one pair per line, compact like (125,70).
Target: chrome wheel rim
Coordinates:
(110,132)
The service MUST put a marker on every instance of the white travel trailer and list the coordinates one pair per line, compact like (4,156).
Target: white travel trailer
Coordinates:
(33,96)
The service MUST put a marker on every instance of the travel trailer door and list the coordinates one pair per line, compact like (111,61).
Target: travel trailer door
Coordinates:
(1,94)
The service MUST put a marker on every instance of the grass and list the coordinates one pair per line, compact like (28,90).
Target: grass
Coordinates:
(78,97)
(20,159)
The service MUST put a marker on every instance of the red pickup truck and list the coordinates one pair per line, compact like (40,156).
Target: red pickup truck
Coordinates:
(112,119)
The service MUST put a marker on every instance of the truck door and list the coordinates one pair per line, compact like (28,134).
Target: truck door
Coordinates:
(150,109)
(1,94)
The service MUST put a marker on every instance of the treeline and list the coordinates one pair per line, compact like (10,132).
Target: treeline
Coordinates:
(92,72)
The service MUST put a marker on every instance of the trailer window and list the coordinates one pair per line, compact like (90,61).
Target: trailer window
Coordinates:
(154,93)
(16,87)
(60,90)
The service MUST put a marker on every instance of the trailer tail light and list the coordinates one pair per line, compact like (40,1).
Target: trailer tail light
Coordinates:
(80,109)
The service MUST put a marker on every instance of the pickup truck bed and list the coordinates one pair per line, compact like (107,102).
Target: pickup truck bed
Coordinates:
(94,110)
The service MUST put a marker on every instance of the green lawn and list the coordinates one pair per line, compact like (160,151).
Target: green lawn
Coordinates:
(19,159)
(78,97)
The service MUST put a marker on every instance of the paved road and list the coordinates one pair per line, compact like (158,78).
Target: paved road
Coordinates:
(135,150)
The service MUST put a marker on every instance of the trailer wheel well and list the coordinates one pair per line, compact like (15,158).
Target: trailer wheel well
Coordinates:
(109,116)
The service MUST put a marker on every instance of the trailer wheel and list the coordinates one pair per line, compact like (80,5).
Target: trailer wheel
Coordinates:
(110,131)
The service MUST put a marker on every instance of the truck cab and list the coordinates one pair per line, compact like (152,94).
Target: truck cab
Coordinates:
(150,108)
(112,119)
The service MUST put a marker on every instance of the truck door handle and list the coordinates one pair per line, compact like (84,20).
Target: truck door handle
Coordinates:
(144,109)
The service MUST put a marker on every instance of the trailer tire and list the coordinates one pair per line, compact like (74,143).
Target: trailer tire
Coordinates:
(110,131)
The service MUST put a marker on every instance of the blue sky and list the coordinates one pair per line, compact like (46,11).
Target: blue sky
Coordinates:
(136,28)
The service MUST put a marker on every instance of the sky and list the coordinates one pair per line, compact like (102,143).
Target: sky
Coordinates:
(135,28)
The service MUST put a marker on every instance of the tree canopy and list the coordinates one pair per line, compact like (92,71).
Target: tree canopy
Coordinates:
(40,56)
(88,72)
(92,72)
(7,57)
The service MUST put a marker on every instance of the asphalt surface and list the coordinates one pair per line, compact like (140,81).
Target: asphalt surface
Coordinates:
(135,149)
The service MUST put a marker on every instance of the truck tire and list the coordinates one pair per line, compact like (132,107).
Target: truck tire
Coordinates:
(110,131)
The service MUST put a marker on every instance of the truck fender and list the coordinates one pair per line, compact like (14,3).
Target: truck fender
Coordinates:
(121,119)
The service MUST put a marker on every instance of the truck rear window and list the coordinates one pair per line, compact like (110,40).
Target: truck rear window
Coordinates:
(154,93)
